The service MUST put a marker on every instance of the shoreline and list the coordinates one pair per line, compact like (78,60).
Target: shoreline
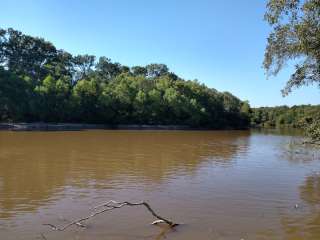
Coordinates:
(85,126)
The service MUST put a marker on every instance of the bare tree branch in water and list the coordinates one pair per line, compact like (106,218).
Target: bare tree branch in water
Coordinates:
(164,232)
(111,205)
(43,236)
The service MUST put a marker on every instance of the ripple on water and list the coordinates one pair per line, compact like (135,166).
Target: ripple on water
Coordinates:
(222,184)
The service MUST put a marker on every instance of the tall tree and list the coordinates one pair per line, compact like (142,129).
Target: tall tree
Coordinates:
(137,70)
(83,65)
(14,96)
(295,36)
(156,70)
(106,69)
(25,55)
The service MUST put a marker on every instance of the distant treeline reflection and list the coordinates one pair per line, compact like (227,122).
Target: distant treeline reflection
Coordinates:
(35,166)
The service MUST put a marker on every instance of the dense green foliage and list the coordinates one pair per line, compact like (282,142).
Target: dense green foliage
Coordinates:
(295,36)
(40,83)
(303,116)
(313,130)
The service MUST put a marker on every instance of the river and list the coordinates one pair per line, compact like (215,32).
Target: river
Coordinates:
(219,184)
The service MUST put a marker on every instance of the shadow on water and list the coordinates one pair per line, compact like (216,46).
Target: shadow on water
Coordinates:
(303,222)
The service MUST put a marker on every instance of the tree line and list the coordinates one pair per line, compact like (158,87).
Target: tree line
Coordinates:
(306,117)
(284,116)
(40,83)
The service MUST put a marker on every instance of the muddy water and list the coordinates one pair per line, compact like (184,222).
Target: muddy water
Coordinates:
(219,184)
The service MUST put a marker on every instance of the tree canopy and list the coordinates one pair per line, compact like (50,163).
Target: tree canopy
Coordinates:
(39,82)
(283,116)
(295,37)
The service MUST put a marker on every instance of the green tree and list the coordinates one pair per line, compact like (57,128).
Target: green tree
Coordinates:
(85,100)
(106,69)
(14,96)
(83,65)
(295,36)
(41,83)
(156,70)
(54,97)
(25,55)
(313,130)
(137,70)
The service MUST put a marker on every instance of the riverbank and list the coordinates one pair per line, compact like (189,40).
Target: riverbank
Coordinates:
(84,126)
(80,126)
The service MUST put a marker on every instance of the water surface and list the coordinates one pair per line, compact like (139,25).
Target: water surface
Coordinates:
(220,184)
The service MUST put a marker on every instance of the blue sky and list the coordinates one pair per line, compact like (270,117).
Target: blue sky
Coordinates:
(220,43)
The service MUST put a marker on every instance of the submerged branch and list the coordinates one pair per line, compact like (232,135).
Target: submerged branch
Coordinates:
(108,206)
(312,142)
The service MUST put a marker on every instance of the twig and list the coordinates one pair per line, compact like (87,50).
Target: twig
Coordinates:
(43,236)
(108,206)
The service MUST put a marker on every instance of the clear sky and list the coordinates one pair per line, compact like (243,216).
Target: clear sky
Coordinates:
(220,43)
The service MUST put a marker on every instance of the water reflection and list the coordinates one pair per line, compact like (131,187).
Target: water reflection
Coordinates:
(304,221)
(310,190)
(223,185)
(35,167)
(297,152)
(279,131)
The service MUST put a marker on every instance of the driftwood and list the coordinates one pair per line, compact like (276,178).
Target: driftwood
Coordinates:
(312,142)
(111,205)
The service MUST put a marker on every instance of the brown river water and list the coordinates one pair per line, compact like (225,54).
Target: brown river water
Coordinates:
(219,184)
